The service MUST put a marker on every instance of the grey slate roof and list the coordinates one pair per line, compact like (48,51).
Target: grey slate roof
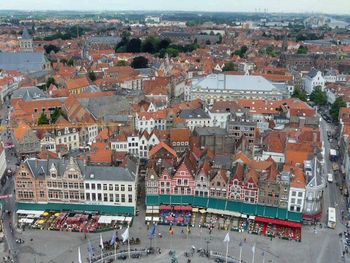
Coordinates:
(26,35)
(208,131)
(22,61)
(101,107)
(108,40)
(312,73)
(194,114)
(29,93)
(233,82)
(41,168)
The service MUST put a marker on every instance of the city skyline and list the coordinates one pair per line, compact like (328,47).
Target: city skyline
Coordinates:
(300,6)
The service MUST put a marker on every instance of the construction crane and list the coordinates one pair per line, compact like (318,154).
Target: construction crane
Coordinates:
(63,126)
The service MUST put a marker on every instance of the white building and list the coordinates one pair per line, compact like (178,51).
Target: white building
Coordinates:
(105,185)
(296,198)
(67,136)
(48,142)
(196,118)
(220,87)
(146,142)
(151,120)
(313,80)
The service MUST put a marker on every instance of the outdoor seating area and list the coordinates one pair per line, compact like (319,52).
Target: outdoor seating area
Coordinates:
(175,215)
(70,221)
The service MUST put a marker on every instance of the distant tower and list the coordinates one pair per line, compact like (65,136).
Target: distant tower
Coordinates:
(26,42)
(285,43)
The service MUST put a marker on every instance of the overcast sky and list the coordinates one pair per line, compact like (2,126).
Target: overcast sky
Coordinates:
(324,6)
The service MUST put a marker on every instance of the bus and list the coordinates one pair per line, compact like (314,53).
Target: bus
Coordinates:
(331,217)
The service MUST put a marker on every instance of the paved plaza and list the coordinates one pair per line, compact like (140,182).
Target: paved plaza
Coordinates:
(322,245)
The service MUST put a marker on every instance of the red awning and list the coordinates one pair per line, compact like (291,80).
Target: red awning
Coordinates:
(165,207)
(187,208)
(277,222)
(177,208)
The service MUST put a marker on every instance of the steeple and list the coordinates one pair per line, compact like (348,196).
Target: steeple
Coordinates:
(26,41)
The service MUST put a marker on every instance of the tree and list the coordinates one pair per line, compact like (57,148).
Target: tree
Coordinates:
(229,66)
(70,62)
(134,45)
(92,75)
(122,63)
(318,96)
(56,114)
(139,62)
(50,48)
(299,94)
(50,80)
(43,119)
(302,50)
(164,44)
(335,108)
(242,51)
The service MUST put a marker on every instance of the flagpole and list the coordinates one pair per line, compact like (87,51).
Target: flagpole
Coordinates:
(115,251)
(227,251)
(253,259)
(263,258)
(129,243)
(240,254)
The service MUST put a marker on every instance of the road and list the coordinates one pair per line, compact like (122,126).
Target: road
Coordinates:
(10,247)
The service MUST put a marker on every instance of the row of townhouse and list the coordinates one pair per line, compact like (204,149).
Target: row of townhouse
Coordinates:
(298,188)
(52,181)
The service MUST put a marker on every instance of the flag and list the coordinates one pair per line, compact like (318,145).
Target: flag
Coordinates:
(240,244)
(253,248)
(101,242)
(79,256)
(125,235)
(171,230)
(90,250)
(153,230)
(227,237)
(263,253)
(114,237)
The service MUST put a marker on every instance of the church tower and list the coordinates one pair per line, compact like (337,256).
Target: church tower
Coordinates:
(26,42)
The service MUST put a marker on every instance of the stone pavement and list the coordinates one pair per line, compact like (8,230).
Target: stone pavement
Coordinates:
(57,247)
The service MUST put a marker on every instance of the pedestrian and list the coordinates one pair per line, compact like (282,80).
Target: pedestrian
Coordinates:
(245,240)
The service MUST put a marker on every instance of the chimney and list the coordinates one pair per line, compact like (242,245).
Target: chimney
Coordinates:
(314,137)
(301,122)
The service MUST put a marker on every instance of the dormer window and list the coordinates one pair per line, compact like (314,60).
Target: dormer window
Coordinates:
(59,133)
(53,175)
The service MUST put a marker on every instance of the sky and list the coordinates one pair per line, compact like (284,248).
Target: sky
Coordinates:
(318,6)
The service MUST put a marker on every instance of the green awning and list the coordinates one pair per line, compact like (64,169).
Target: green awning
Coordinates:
(221,204)
(152,200)
(294,216)
(164,199)
(104,209)
(270,211)
(176,199)
(187,199)
(282,213)
(260,210)
(234,206)
(212,203)
(200,201)
(248,209)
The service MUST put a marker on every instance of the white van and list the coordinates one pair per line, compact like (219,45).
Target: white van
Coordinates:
(330,178)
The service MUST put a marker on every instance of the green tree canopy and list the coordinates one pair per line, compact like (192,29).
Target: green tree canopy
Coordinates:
(318,96)
(139,62)
(335,108)
(50,48)
(229,66)
(134,45)
(242,51)
(56,114)
(92,75)
(122,63)
(50,80)
(299,94)
(303,50)
(43,119)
